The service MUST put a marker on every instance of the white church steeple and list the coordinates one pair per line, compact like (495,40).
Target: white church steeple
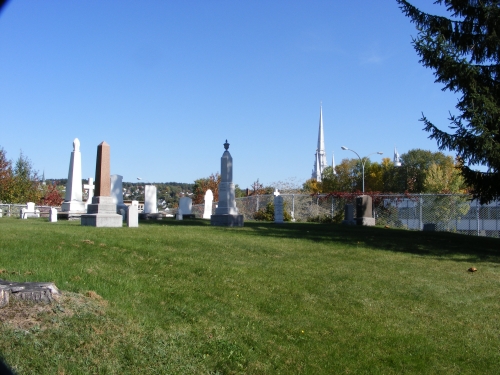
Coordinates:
(320,157)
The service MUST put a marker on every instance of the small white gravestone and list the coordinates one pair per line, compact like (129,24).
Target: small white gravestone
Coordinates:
(278,209)
(150,200)
(133,215)
(90,191)
(276,192)
(53,215)
(179,214)
(29,211)
(209,199)
(185,205)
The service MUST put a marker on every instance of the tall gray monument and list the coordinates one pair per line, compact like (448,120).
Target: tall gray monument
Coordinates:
(226,213)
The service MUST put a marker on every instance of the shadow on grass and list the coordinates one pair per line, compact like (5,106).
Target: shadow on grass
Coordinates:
(436,244)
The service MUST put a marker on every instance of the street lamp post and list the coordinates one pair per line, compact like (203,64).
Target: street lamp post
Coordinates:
(362,160)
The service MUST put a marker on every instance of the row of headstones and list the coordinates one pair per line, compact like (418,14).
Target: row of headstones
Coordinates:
(129,213)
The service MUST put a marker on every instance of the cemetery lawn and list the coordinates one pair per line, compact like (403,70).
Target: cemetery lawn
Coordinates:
(182,297)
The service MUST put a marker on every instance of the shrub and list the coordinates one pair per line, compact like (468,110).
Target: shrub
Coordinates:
(267,213)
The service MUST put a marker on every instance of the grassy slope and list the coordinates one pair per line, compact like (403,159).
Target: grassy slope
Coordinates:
(184,297)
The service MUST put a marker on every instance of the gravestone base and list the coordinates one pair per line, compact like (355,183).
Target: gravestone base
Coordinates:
(188,216)
(102,213)
(69,215)
(73,206)
(225,220)
(349,222)
(151,216)
(29,215)
(366,221)
(102,220)
(430,227)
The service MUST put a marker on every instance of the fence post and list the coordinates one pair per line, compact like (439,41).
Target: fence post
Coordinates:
(420,219)
(477,215)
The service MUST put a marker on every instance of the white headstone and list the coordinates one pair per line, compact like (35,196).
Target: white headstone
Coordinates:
(90,191)
(117,194)
(29,211)
(150,200)
(53,215)
(278,209)
(185,205)
(117,189)
(133,215)
(73,199)
(209,199)
(276,192)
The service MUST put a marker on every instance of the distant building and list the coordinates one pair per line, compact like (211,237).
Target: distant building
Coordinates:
(320,157)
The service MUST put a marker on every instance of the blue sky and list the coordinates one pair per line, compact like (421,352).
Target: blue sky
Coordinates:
(166,82)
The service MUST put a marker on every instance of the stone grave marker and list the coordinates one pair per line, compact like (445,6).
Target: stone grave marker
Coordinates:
(364,211)
(73,203)
(90,191)
(349,215)
(53,215)
(226,213)
(102,211)
(209,199)
(29,211)
(186,206)
(133,215)
(150,200)
(278,209)
(117,194)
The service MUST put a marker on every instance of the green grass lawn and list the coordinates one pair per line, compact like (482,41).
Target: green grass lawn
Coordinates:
(182,297)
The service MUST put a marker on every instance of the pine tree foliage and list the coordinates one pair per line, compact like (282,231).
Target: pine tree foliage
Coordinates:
(464,52)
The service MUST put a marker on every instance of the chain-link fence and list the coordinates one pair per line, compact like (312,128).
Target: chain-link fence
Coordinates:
(441,212)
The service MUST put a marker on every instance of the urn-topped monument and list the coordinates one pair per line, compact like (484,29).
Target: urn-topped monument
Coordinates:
(226,213)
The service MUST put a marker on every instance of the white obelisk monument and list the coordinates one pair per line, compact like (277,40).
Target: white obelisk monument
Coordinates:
(73,203)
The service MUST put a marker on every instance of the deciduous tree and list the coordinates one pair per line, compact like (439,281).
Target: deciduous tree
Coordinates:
(201,185)
(6,183)
(26,183)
